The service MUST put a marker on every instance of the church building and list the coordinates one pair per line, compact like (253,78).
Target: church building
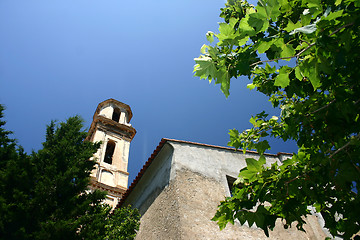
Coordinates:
(180,186)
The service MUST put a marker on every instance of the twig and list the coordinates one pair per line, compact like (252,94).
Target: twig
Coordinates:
(323,107)
(346,25)
(291,180)
(305,41)
(342,148)
(283,58)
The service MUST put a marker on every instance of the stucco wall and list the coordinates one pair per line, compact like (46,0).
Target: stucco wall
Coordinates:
(183,210)
(153,182)
(180,191)
(118,168)
(214,163)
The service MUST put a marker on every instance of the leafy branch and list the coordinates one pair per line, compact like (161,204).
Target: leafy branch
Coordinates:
(327,64)
(302,51)
(283,58)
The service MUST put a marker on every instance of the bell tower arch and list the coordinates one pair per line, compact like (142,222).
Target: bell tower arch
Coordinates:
(111,125)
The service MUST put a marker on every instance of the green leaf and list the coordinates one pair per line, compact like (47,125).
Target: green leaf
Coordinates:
(245,28)
(262,159)
(204,68)
(287,51)
(260,9)
(203,49)
(264,45)
(310,70)
(251,86)
(253,165)
(225,30)
(247,175)
(233,21)
(213,52)
(270,69)
(258,22)
(291,26)
(282,79)
(314,3)
(338,2)
(334,15)
(210,36)
(288,162)
(223,78)
(243,41)
(269,9)
(298,74)
(318,207)
(262,146)
(253,121)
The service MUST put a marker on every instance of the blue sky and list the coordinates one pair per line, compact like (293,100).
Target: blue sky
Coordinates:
(60,58)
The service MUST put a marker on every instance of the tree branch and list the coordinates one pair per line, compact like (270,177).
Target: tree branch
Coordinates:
(323,107)
(283,58)
(337,30)
(343,147)
(305,41)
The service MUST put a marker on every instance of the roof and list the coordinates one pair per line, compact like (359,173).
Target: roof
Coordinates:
(158,149)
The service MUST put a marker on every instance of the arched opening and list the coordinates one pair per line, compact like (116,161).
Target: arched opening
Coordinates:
(116,115)
(110,148)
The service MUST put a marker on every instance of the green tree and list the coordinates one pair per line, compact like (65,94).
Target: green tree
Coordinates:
(304,55)
(121,223)
(45,195)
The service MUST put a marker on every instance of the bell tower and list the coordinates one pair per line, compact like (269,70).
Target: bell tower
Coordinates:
(111,125)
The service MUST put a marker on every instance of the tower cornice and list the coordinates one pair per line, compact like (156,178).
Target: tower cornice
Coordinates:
(110,125)
(117,191)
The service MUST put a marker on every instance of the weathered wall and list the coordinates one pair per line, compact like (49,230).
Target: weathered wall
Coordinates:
(180,191)
(198,201)
(162,218)
(153,181)
(183,210)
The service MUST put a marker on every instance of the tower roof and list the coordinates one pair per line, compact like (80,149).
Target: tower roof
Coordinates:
(115,102)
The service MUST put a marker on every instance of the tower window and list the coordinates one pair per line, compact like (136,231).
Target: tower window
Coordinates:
(116,115)
(110,147)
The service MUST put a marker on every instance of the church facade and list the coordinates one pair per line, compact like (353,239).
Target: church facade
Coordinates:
(180,186)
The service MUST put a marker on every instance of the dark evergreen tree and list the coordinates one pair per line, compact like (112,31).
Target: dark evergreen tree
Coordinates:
(45,195)
(16,187)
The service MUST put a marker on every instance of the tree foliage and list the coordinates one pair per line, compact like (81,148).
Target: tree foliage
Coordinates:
(105,223)
(45,195)
(304,55)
